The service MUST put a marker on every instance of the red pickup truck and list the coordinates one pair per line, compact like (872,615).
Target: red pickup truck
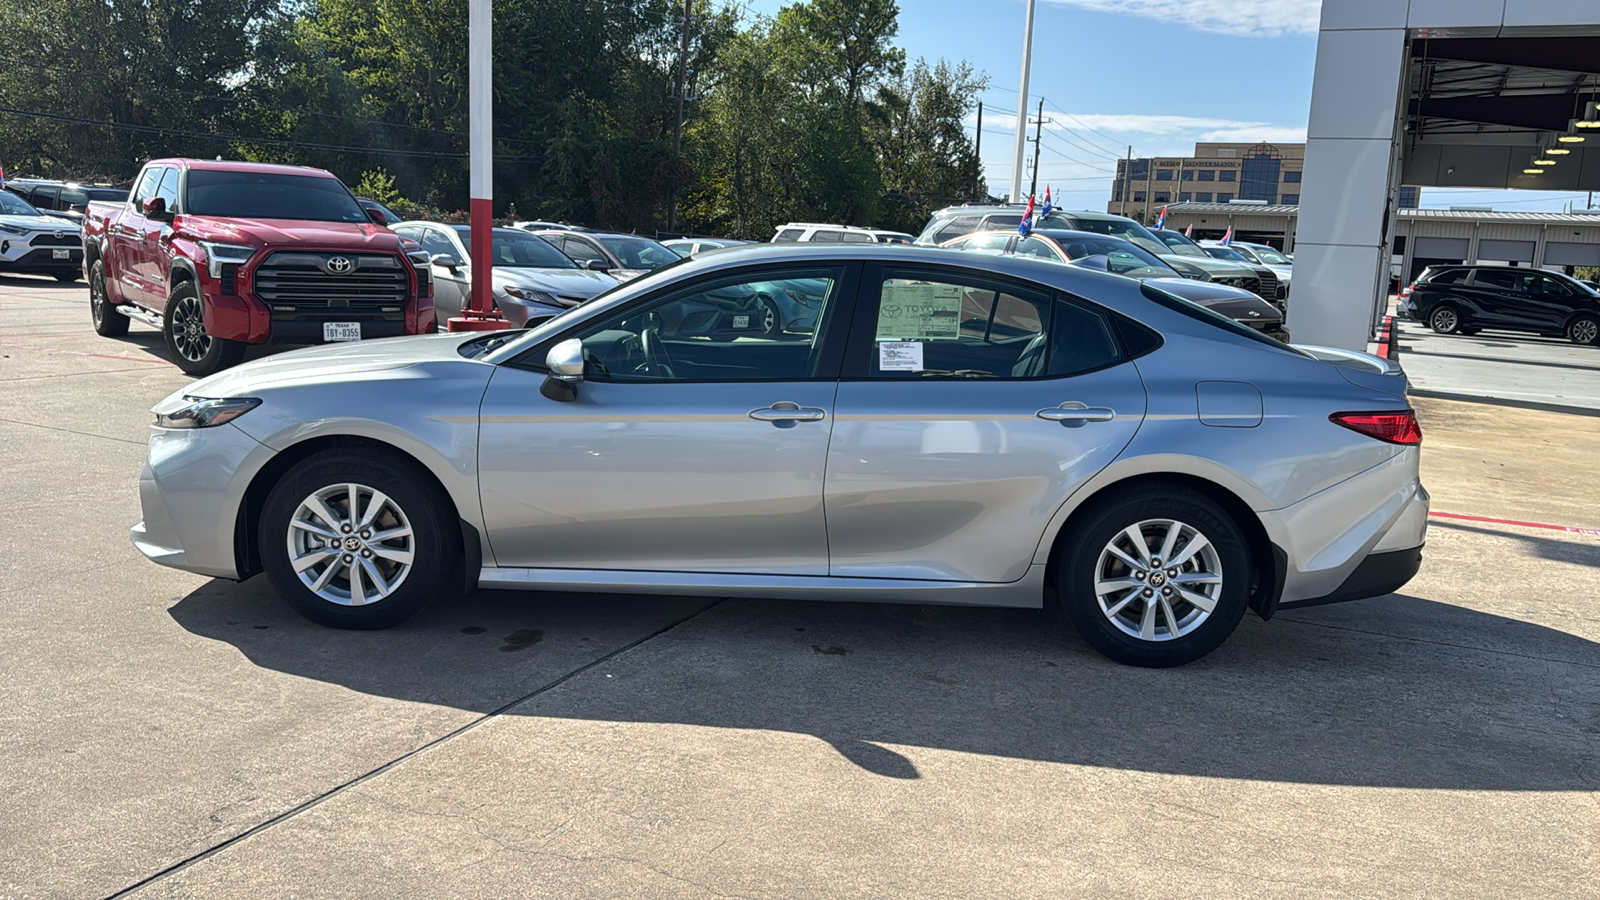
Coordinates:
(220,255)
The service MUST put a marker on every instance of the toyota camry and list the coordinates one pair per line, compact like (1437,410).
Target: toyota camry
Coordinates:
(951,428)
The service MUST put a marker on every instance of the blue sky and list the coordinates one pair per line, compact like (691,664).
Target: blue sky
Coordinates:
(1155,74)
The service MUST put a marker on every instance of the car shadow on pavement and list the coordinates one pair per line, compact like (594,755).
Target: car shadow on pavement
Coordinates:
(43,282)
(1390,692)
(1582,553)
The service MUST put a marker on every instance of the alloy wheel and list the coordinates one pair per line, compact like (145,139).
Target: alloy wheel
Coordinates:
(1584,331)
(189,329)
(97,296)
(1445,320)
(350,544)
(1158,580)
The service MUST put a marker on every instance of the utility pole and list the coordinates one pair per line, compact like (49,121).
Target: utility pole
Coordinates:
(977,152)
(677,119)
(1022,108)
(1038,136)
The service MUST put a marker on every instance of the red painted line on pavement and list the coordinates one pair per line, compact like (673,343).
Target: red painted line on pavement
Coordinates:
(146,359)
(1568,528)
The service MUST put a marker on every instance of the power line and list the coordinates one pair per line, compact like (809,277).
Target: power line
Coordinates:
(1084,124)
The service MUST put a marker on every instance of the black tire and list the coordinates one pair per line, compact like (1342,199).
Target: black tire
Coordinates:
(68,277)
(1084,560)
(183,328)
(1445,319)
(1584,329)
(107,321)
(434,543)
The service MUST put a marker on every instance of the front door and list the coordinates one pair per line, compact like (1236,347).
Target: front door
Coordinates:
(969,409)
(696,442)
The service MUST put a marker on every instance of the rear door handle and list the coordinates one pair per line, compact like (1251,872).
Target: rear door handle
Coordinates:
(785,411)
(1073,413)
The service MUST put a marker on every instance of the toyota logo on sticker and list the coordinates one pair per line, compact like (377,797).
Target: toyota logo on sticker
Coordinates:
(340,265)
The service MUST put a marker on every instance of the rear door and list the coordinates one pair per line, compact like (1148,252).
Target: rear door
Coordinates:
(969,409)
(1494,296)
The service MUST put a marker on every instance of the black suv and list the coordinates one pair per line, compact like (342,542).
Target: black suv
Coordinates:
(64,198)
(1468,299)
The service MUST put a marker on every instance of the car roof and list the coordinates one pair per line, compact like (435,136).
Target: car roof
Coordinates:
(234,165)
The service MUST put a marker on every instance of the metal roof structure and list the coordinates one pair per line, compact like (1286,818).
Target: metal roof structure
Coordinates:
(1249,209)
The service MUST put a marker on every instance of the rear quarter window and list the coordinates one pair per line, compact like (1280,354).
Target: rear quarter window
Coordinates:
(1448,276)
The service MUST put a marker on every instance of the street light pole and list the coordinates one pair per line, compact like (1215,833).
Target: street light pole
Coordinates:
(1022,108)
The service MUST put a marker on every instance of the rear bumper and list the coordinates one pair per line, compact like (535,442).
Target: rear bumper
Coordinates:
(1378,574)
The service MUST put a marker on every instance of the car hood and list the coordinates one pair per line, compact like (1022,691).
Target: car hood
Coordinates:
(40,223)
(561,282)
(1216,268)
(283,234)
(1235,303)
(326,363)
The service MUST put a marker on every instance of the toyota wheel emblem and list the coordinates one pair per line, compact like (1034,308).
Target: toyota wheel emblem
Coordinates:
(340,265)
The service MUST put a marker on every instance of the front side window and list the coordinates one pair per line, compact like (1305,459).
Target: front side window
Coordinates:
(437,243)
(1274,258)
(270,195)
(1037,248)
(582,251)
(992,242)
(519,250)
(167,189)
(753,327)
(934,325)
(146,186)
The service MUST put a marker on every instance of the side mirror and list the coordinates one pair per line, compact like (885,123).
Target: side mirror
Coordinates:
(597,265)
(154,207)
(565,362)
(447,261)
(377,217)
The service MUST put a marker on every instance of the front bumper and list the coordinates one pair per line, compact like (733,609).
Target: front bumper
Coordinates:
(190,492)
(43,260)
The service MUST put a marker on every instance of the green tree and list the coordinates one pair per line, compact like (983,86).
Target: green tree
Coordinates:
(917,127)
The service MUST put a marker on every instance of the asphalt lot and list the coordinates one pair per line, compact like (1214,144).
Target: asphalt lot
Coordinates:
(169,735)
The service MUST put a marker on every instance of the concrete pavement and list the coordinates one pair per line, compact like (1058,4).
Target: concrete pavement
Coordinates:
(185,737)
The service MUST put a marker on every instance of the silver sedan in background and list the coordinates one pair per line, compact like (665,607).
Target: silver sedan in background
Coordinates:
(953,428)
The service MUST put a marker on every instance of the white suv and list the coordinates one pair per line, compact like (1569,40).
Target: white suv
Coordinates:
(811,232)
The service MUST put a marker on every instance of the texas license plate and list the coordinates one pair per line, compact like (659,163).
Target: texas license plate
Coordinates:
(60,254)
(341,331)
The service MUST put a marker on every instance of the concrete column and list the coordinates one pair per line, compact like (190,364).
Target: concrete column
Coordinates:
(1342,255)
(1472,244)
(1288,235)
(1539,245)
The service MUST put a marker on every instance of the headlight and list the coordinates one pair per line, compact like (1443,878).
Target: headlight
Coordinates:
(219,254)
(201,412)
(13,229)
(532,296)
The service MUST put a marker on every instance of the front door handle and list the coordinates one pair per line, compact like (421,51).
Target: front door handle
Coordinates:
(785,411)
(1073,414)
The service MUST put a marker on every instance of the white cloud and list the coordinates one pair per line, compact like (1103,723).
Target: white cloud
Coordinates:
(1200,127)
(1249,18)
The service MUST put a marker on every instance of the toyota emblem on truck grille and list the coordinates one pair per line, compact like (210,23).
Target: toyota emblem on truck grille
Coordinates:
(340,265)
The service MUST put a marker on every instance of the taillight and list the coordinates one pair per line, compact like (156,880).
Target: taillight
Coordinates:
(1405,292)
(1390,427)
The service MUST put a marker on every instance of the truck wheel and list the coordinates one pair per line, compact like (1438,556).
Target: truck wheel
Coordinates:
(107,321)
(358,538)
(196,352)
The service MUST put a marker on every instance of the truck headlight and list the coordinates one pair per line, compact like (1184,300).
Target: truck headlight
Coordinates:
(203,412)
(218,255)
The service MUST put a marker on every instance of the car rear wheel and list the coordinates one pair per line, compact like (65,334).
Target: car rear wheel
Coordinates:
(1156,576)
(107,321)
(1585,329)
(183,327)
(358,539)
(1445,319)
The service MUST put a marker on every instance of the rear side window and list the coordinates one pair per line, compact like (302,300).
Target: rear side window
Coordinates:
(827,237)
(1001,222)
(1200,314)
(856,237)
(1497,278)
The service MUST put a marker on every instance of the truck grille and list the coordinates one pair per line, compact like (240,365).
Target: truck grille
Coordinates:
(46,239)
(1269,284)
(1253,285)
(305,280)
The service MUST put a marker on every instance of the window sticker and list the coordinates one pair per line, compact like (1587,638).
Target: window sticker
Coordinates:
(919,312)
(900,356)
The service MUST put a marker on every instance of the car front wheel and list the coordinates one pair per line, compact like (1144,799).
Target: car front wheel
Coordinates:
(1155,576)
(1584,329)
(358,539)
(183,327)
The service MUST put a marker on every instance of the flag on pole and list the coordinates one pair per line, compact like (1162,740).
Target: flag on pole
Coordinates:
(1189,232)
(1161,221)
(1045,212)
(2,176)
(1026,225)
(1227,239)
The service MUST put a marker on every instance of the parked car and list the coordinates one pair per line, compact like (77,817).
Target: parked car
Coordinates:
(813,233)
(958,429)
(67,199)
(1467,299)
(1120,257)
(623,256)
(1262,256)
(220,255)
(1180,244)
(390,217)
(32,243)
(531,280)
(540,225)
(955,221)
(691,246)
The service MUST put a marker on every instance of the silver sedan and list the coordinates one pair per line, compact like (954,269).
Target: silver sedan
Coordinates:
(951,429)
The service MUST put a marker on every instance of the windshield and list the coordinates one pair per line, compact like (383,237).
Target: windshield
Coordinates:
(12,205)
(1271,256)
(1179,245)
(1122,257)
(1226,253)
(518,250)
(638,253)
(1128,230)
(270,195)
